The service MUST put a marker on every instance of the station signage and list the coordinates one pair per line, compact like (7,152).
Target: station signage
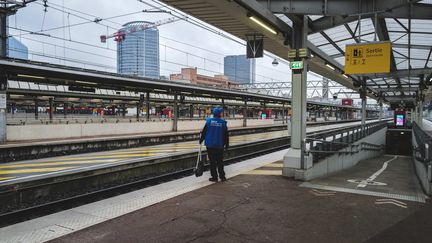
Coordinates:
(368,58)
(296,65)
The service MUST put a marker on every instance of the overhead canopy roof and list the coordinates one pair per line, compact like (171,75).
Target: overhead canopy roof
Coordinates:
(332,25)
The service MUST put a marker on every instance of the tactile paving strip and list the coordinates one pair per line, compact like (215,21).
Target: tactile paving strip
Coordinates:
(414,198)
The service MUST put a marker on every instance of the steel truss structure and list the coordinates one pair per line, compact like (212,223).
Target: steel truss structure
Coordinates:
(316,89)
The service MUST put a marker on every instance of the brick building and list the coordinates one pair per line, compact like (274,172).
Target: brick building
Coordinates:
(191,74)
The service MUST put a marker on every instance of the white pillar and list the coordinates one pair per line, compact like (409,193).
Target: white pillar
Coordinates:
(3,87)
(295,158)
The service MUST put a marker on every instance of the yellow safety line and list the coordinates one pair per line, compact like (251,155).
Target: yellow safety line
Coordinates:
(5,178)
(150,150)
(109,156)
(274,165)
(57,163)
(8,172)
(263,172)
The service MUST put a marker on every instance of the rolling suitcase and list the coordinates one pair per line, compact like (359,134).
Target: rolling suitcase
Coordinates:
(199,168)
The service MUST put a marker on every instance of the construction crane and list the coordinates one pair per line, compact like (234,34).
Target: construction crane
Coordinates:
(120,35)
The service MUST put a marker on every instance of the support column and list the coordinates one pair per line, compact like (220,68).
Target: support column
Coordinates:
(223,107)
(36,109)
(3,102)
(245,114)
(295,158)
(51,109)
(65,106)
(148,107)
(420,113)
(380,110)
(124,110)
(363,100)
(175,115)
(138,110)
(3,35)
(191,111)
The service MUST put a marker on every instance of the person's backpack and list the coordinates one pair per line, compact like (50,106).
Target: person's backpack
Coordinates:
(199,168)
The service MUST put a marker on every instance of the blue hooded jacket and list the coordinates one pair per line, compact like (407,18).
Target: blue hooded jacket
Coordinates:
(215,132)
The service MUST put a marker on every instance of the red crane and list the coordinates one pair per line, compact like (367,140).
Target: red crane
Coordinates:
(119,36)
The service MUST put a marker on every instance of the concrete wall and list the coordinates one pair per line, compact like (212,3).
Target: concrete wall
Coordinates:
(338,162)
(62,131)
(423,171)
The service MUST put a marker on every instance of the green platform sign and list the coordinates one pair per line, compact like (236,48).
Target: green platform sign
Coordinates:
(296,65)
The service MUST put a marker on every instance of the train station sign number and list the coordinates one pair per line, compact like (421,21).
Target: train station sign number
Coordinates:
(368,58)
(296,65)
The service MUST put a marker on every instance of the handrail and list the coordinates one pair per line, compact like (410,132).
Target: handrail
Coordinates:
(423,150)
(323,144)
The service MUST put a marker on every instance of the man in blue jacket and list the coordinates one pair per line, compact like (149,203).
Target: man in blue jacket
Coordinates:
(215,134)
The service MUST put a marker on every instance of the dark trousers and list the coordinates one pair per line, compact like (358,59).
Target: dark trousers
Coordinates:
(216,160)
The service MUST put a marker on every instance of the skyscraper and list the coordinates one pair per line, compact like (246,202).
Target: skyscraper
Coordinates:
(239,68)
(138,52)
(16,49)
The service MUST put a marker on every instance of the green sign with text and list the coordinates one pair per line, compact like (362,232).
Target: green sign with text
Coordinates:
(296,65)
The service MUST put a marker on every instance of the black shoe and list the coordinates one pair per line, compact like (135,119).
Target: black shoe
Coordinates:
(223,179)
(213,179)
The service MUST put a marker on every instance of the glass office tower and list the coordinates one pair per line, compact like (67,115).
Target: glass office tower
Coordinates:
(239,68)
(138,52)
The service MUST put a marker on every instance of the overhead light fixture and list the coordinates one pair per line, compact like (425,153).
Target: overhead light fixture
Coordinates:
(259,22)
(85,82)
(330,66)
(345,76)
(312,55)
(30,76)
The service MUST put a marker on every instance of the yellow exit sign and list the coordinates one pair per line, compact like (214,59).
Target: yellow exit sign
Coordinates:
(368,58)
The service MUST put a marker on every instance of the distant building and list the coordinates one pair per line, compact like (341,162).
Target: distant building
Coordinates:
(240,69)
(191,75)
(16,49)
(138,52)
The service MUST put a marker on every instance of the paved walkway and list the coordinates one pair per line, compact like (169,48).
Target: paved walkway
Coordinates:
(262,206)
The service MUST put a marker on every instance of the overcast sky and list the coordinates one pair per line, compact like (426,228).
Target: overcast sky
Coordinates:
(173,55)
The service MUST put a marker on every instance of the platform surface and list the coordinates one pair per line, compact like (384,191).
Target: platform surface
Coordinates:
(258,207)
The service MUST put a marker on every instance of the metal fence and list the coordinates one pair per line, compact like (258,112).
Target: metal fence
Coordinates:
(342,140)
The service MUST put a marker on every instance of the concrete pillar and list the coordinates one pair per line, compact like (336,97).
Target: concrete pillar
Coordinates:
(245,109)
(295,158)
(148,107)
(51,109)
(3,102)
(175,115)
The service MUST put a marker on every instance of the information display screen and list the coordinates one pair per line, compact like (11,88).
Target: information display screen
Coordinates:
(400,120)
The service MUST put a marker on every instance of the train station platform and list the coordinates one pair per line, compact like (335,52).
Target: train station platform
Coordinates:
(28,170)
(256,204)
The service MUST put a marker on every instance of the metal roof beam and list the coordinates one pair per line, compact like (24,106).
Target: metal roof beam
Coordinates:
(382,32)
(331,7)
(403,73)
(395,89)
